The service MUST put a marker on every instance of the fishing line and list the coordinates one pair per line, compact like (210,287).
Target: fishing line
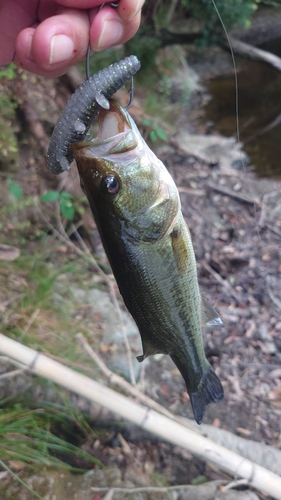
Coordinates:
(114,5)
(238,134)
(237,110)
(235,75)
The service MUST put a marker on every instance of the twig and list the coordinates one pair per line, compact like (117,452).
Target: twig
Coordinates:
(274,230)
(239,196)
(125,338)
(263,213)
(79,366)
(235,484)
(247,50)
(6,303)
(171,10)
(64,239)
(10,374)
(62,236)
(222,281)
(196,192)
(150,489)
(122,383)
(274,299)
(233,463)
(262,131)
(30,321)
(110,285)
(81,241)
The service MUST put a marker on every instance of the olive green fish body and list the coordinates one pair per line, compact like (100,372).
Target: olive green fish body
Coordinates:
(137,209)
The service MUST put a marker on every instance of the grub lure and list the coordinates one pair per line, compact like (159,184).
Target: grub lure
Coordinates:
(83,106)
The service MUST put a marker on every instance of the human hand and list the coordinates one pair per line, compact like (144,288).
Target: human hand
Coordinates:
(48,36)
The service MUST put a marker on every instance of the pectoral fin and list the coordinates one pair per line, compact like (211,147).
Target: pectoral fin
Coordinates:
(209,316)
(180,250)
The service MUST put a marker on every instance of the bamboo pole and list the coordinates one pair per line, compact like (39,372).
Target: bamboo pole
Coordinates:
(150,420)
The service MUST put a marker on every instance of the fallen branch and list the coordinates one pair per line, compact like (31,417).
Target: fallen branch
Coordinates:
(264,130)
(39,364)
(223,282)
(204,491)
(246,50)
(11,374)
(233,194)
(260,453)
(115,379)
(274,299)
(274,230)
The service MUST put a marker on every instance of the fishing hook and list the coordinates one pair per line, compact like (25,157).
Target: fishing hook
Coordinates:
(114,5)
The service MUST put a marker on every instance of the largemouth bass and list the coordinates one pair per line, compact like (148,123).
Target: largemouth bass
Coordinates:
(137,210)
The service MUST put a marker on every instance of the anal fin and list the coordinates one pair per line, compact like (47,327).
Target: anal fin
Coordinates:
(148,350)
(209,316)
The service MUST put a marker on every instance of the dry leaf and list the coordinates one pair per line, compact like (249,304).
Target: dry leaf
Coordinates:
(8,253)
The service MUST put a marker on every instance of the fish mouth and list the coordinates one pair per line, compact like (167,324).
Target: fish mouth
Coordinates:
(116,135)
(111,123)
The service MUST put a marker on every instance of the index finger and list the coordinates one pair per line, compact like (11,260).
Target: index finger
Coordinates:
(127,9)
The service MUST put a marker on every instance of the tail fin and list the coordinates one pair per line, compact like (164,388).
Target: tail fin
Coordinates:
(209,391)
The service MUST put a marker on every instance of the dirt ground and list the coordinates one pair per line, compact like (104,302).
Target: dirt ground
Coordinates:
(235,223)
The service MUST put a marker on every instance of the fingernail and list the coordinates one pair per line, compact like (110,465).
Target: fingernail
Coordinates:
(61,49)
(29,45)
(111,34)
(137,8)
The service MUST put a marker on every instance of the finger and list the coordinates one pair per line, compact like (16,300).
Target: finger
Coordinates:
(108,29)
(56,44)
(13,18)
(129,9)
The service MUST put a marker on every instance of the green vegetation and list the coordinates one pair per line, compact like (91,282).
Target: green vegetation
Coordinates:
(8,141)
(8,72)
(155,132)
(68,207)
(8,105)
(15,188)
(188,21)
(26,435)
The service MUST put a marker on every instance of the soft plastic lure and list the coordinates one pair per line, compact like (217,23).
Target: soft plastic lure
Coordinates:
(79,112)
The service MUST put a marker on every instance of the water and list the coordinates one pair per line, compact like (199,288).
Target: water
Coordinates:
(259,111)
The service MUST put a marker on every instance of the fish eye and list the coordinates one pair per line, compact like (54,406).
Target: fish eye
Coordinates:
(110,184)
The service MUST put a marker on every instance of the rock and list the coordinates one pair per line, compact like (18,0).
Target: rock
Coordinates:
(8,252)
(205,491)
(236,495)
(112,325)
(183,83)
(212,491)
(211,149)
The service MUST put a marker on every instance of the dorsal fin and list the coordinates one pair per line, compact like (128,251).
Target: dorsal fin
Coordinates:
(209,316)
